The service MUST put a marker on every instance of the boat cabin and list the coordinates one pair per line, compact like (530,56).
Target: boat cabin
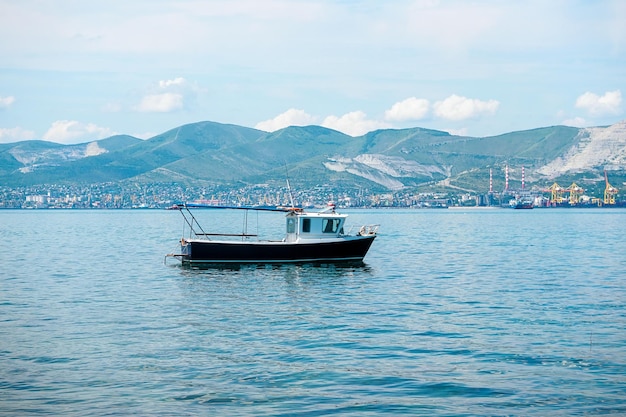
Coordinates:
(317,226)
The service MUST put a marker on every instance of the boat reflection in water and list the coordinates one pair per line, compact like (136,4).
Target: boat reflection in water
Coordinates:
(309,237)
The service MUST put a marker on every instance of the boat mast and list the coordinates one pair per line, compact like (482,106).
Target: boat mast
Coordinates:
(289,188)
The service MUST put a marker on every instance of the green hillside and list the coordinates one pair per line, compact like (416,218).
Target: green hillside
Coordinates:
(230,155)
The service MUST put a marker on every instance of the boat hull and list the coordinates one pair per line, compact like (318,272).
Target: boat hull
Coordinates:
(202,251)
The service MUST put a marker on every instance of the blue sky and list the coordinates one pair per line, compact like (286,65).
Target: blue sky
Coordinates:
(73,71)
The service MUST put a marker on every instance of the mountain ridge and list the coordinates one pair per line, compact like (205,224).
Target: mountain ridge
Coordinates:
(388,159)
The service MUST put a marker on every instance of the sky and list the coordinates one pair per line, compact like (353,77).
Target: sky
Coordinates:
(74,71)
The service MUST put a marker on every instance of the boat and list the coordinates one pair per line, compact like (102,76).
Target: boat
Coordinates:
(521,204)
(310,237)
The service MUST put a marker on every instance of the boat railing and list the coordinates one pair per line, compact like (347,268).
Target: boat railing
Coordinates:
(195,230)
(190,220)
(366,230)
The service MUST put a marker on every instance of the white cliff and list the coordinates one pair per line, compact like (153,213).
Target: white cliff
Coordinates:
(34,159)
(387,171)
(596,147)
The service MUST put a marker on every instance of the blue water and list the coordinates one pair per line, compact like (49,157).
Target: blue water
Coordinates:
(454,313)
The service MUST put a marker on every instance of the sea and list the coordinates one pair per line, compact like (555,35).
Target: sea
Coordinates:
(452,313)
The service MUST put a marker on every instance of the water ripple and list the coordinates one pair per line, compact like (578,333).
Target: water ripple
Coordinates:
(452,314)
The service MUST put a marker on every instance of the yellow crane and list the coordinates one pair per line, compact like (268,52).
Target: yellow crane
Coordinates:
(556,192)
(609,191)
(575,191)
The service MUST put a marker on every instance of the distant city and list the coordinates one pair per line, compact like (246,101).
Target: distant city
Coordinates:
(132,195)
(161,196)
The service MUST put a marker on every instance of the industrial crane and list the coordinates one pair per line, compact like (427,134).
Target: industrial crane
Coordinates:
(575,191)
(556,193)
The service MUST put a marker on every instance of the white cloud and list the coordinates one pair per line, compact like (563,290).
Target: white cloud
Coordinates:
(462,108)
(575,122)
(354,123)
(292,117)
(175,82)
(160,103)
(457,132)
(410,109)
(5,102)
(15,134)
(167,96)
(608,104)
(71,131)
(144,135)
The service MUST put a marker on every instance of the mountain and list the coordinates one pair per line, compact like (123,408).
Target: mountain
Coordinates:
(593,147)
(32,156)
(209,153)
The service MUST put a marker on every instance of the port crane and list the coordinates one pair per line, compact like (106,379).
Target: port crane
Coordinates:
(575,192)
(556,193)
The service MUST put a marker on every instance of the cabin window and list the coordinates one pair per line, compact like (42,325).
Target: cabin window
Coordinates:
(306,225)
(291,225)
(330,225)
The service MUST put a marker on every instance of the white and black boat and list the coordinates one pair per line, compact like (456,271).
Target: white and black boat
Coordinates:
(309,237)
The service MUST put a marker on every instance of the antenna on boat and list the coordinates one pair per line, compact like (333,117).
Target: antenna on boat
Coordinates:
(289,187)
